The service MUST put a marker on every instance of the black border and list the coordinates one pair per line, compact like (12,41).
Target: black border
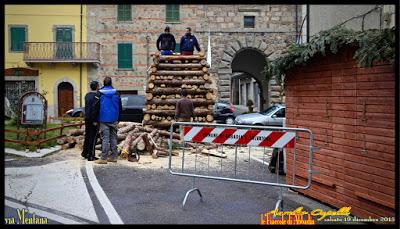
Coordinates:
(397,99)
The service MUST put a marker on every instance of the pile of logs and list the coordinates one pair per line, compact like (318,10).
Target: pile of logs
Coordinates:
(131,137)
(168,76)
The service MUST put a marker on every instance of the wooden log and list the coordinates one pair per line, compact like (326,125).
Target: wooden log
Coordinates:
(127,128)
(136,141)
(149,96)
(209,95)
(62,141)
(169,66)
(153,106)
(213,152)
(196,102)
(147,143)
(141,145)
(66,146)
(153,69)
(122,124)
(206,77)
(163,96)
(181,57)
(176,82)
(180,73)
(210,118)
(150,85)
(146,117)
(121,137)
(204,69)
(152,77)
(153,117)
(75,132)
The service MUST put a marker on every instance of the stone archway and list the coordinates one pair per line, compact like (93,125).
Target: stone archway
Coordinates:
(249,58)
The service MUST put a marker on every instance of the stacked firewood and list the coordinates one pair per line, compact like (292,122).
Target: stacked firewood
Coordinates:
(167,77)
(131,137)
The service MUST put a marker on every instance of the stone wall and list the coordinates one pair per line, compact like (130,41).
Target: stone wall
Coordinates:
(275,29)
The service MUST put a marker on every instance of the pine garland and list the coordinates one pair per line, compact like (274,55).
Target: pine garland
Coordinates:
(373,45)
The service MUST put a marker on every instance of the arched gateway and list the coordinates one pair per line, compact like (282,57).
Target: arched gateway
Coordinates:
(247,60)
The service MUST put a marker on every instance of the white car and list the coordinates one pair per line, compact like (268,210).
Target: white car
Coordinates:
(272,116)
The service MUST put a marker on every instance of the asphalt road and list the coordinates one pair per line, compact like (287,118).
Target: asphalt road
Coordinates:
(142,194)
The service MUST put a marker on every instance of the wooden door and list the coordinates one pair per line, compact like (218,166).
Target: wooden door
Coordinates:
(65,98)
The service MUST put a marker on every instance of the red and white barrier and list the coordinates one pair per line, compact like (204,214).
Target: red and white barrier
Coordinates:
(232,136)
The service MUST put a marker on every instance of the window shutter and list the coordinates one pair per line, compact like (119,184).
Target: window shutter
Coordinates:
(17,38)
(177,47)
(172,13)
(124,55)
(124,13)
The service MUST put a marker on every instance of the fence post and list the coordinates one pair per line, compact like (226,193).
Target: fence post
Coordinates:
(38,132)
(61,129)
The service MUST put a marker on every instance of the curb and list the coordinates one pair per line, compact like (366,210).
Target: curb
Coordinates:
(29,154)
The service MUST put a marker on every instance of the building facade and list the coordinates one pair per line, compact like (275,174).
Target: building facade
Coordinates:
(243,39)
(46,51)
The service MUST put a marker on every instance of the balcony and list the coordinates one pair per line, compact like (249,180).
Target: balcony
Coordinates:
(62,52)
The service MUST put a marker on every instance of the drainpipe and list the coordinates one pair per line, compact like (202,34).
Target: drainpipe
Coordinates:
(80,64)
(148,51)
(297,25)
(308,22)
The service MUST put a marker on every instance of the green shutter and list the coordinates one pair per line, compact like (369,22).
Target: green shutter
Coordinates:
(124,13)
(177,47)
(125,56)
(17,38)
(172,13)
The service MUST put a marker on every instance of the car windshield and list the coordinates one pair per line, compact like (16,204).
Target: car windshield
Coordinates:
(269,110)
(133,100)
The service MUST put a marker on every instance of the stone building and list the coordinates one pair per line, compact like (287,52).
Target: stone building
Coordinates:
(243,38)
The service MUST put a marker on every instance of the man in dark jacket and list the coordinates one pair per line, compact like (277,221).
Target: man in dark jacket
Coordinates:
(184,108)
(166,42)
(110,111)
(188,42)
(91,125)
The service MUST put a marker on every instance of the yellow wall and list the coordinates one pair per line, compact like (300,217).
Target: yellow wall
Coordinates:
(41,20)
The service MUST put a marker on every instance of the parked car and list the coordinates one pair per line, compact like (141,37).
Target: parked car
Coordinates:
(75,112)
(272,116)
(132,108)
(224,112)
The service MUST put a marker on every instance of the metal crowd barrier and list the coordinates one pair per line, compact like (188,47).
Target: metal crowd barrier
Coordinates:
(238,135)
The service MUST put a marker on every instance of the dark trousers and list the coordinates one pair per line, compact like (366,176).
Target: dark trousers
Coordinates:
(186,53)
(91,132)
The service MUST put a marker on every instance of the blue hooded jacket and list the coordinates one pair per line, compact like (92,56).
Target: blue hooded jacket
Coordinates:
(110,104)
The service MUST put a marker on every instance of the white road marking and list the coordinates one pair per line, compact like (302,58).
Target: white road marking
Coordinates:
(42,213)
(102,197)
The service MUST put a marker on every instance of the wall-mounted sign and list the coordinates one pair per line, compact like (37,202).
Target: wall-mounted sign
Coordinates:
(33,109)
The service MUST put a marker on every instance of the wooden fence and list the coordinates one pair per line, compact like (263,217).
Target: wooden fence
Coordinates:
(30,133)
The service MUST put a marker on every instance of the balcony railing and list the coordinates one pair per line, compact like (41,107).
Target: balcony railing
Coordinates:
(67,52)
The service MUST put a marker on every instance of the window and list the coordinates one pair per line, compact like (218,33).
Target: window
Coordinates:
(177,47)
(280,113)
(125,56)
(124,13)
(17,38)
(248,21)
(172,13)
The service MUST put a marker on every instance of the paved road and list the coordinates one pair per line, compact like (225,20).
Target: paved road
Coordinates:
(67,189)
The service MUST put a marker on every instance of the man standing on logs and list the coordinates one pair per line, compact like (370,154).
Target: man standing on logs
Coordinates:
(110,110)
(166,42)
(184,108)
(91,125)
(188,42)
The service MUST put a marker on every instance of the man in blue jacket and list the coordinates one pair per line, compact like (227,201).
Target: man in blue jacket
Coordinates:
(166,42)
(188,42)
(110,110)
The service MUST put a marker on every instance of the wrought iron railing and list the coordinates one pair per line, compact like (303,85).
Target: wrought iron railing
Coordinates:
(88,52)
